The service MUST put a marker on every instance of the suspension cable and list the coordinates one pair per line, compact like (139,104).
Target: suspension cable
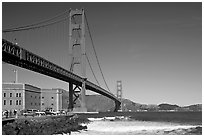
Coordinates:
(88,59)
(95,51)
(35,24)
(92,70)
(35,27)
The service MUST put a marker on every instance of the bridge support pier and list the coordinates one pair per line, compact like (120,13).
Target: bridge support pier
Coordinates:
(71,92)
(74,95)
(83,96)
(117,106)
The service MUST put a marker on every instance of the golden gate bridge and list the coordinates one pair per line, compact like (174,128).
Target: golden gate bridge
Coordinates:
(14,53)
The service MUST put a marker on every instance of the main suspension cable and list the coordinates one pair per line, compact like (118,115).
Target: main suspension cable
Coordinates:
(95,51)
(35,27)
(92,70)
(35,24)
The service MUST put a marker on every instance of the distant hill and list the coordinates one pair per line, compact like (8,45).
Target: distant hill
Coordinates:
(168,107)
(196,107)
(129,105)
(99,103)
(102,104)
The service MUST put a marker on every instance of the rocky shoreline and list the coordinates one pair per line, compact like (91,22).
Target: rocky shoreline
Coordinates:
(45,125)
(190,131)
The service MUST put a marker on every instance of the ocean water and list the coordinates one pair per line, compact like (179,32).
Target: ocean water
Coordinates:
(109,126)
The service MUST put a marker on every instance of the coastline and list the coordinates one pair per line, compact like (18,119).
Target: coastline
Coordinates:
(108,124)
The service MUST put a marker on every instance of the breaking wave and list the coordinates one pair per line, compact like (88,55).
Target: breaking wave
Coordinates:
(125,126)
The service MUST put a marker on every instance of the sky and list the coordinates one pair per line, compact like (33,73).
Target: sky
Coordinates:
(155,49)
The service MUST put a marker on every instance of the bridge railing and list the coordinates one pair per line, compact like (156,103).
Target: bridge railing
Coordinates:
(11,48)
(47,64)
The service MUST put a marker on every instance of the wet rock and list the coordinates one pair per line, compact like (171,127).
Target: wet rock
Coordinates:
(195,131)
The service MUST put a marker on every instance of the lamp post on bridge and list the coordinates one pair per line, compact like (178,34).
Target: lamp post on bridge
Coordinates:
(15,71)
(16,75)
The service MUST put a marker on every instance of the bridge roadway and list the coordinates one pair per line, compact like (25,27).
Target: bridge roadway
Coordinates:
(15,55)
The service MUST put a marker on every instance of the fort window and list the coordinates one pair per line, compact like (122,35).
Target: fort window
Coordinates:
(4,102)
(16,102)
(10,102)
(4,94)
(19,94)
(16,94)
(10,94)
(19,102)
(52,97)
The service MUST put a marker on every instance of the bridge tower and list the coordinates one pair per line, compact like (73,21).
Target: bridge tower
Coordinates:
(78,56)
(119,91)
